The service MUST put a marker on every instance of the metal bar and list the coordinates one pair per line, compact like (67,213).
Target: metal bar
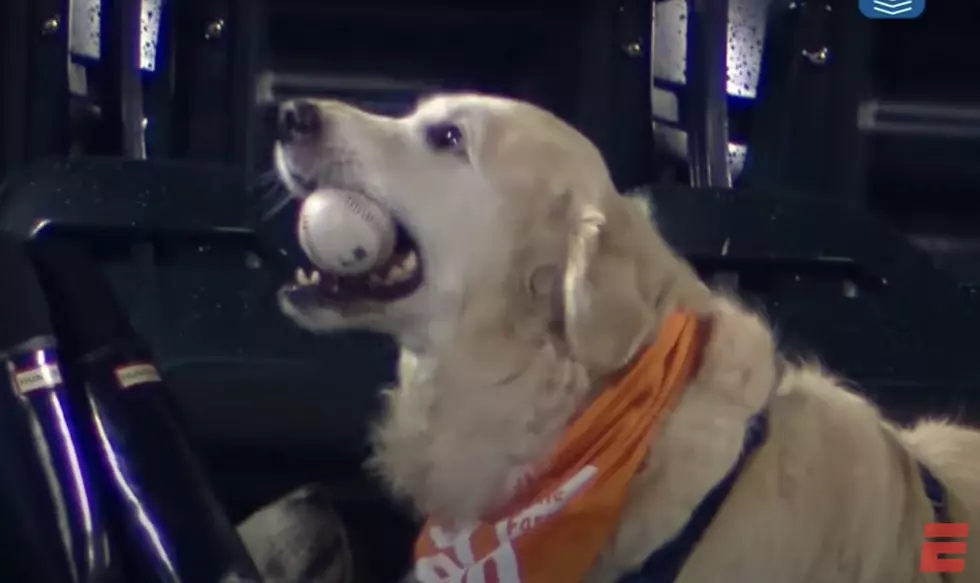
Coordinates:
(14,47)
(707,83)
(926,111)
(246,47)
(924,130)
(408,14)
(919,119)
(273,84)
(202,80)
(122,108)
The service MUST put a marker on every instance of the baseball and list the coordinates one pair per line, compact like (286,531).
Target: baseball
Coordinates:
(345,233)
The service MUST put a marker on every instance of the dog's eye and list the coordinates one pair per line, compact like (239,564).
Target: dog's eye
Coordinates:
(444,138)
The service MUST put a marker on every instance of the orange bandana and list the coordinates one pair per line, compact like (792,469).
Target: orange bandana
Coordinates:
(572,509)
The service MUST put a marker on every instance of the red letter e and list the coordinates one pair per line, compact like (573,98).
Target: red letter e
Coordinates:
(932,561)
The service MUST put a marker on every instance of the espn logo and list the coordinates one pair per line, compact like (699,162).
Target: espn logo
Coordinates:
(937,555)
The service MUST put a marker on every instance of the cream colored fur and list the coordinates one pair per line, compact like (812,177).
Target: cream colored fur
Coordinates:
(541,280)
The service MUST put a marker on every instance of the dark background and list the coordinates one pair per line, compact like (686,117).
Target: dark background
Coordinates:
(859,243)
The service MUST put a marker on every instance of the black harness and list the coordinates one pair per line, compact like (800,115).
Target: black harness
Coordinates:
(936,493)
(665,563)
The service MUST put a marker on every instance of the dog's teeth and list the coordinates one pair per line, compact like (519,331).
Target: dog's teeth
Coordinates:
(315,278)
(301,277)
(410,263)
(396,274)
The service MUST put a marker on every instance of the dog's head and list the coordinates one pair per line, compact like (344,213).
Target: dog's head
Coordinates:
(509,224)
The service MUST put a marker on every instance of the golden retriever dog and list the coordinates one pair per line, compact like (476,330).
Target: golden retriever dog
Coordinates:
(522,286)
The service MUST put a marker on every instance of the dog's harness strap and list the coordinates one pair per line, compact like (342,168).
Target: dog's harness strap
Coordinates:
(936,493)
(665,563)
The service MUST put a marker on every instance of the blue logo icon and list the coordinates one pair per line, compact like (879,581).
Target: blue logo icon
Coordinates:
(893,9)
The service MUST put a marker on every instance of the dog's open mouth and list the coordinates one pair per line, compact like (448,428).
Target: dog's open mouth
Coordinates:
(397,278)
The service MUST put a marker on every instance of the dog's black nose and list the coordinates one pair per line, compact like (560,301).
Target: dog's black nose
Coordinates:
(299,119)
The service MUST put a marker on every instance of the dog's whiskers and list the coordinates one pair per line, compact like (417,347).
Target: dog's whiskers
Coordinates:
(273,193)
(278,206)
(267,178)
(279,197)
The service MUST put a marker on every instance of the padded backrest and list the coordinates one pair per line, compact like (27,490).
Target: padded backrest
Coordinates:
(201,290)
(838,285)
(922,126)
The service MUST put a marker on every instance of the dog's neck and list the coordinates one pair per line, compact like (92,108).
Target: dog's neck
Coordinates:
(464,426)
(458,432)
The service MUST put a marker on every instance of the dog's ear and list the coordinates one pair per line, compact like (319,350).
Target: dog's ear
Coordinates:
(605,317)
(594,282)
